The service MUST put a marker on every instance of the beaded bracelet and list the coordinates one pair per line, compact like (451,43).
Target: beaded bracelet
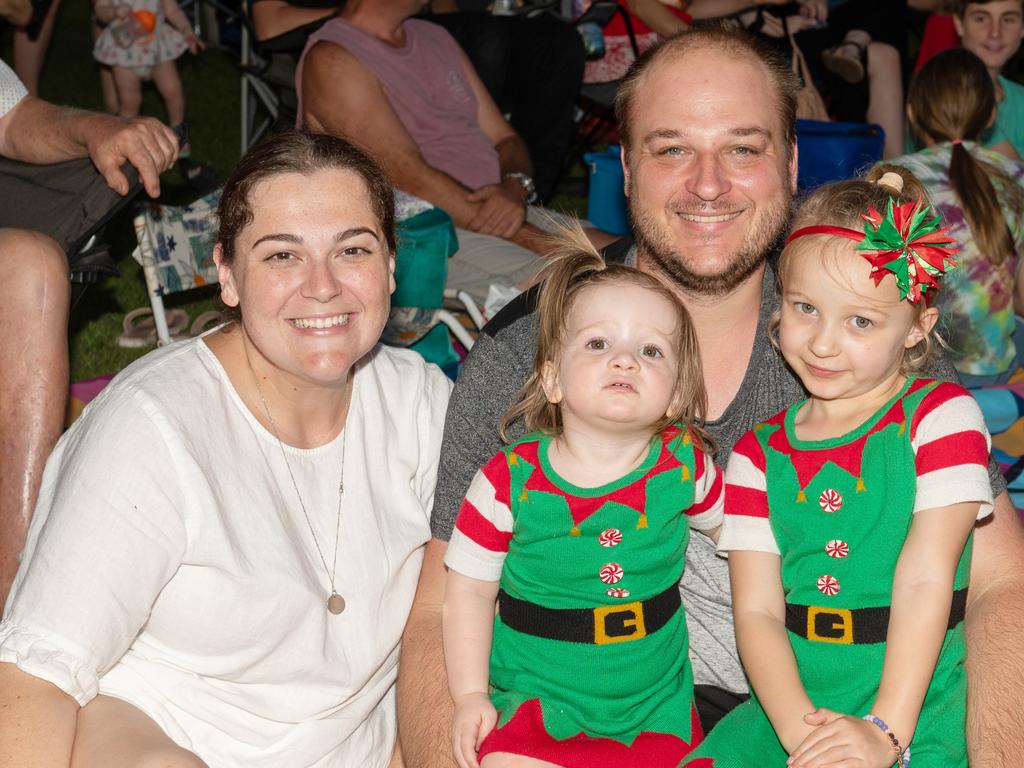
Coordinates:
(902,755)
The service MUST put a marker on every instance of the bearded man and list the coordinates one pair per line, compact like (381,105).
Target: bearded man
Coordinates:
(707,121)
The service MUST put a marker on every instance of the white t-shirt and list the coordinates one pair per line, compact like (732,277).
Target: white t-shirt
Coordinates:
(11,89)
(169,563)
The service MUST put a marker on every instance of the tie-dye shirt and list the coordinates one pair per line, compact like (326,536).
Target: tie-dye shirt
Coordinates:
(976,300)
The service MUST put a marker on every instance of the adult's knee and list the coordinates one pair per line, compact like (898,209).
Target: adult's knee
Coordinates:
(38,262)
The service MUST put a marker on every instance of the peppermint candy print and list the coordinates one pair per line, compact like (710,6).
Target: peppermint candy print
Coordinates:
(609,537)
(612,573)
(617,592)
(830,500)
(837,548)
(828,585)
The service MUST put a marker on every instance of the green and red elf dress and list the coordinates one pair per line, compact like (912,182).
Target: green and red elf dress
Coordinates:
(589,663)
(837,512)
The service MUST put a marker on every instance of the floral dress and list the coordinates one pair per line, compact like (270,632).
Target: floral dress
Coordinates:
(162,43)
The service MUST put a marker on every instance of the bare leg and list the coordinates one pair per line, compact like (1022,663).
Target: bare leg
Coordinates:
(885,95)
(113,734)
(29,55)
(110,101)
(34,384)
(129,91)
(167,81)
(506,760)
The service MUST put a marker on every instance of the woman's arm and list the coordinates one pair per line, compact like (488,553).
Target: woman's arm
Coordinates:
(468,622)
(37,721)
(759,607)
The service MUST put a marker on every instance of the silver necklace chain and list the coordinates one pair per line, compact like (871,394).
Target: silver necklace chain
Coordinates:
(341,492)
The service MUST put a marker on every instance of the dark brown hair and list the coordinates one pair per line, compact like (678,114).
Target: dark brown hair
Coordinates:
(952,98)
(305,153)
(575,266)
(843,204)
(737,43)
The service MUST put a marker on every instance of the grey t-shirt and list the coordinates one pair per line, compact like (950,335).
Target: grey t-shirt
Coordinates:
(498,366)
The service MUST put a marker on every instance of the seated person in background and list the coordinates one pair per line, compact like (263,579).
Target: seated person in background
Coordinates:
(978,192)
(34,307)
(403,90)
(532,68)
(992,31)
(654,20)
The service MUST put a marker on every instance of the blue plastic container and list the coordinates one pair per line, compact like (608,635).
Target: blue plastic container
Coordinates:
(606,201)
(830,151)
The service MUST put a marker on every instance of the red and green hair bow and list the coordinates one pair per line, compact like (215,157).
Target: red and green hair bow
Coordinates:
(905,242)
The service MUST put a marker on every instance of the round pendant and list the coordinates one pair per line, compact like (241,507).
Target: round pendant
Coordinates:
(335,603)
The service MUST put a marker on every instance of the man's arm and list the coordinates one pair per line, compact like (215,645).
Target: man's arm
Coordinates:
(361,112)
(995,625)
(35,131)
(424,705)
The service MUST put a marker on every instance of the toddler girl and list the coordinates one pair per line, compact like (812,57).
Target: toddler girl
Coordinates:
(849,515)
(579,530)
(140,41)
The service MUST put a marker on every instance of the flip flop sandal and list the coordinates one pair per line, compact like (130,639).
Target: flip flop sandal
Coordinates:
(852,69)
(207,321)
(139,327)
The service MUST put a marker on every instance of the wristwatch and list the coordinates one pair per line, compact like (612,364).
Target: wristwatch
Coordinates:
(527,184)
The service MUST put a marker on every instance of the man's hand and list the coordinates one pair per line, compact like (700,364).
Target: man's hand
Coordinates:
(502,209)
(842,740)
(146,143)
(474,718)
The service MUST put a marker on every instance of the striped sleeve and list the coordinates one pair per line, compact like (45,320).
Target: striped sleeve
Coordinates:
(708,494)
(746,500)
(951,447)
(483,528)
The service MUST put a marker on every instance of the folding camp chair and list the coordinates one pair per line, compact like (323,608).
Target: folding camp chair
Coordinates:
(175,249)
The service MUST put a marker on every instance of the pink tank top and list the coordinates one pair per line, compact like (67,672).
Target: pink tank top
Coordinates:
(426,84)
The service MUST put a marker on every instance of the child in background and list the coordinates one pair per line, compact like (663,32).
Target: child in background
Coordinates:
(978,192)
(140,41)
(849,515)
(579,530)
(992,30)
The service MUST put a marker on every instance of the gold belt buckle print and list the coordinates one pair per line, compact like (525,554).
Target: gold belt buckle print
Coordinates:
(619,623)
(838,630)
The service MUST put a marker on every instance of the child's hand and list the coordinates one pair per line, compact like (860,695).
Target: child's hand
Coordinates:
(474,718)
(842,739)
(194,43)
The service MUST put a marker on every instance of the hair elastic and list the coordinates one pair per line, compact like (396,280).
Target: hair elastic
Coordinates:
(957,141)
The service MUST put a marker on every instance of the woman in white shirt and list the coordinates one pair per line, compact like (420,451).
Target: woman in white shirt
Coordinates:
(227,543)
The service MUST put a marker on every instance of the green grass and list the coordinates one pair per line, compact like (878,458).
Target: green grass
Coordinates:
(71,78)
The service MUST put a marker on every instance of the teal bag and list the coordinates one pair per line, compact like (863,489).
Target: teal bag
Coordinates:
(425,242)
